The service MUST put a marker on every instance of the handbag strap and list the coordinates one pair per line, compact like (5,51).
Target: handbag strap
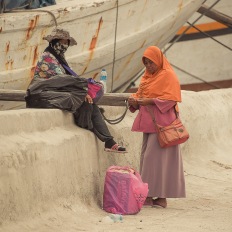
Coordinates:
(153,115)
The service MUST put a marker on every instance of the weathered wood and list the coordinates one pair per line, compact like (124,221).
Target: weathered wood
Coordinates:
(114,99)
(110,99)
(12,95)
(216,15)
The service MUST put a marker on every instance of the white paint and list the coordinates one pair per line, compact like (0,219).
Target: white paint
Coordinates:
(204,58)
(140,24)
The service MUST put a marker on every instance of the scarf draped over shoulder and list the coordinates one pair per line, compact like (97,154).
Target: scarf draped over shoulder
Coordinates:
(163,84)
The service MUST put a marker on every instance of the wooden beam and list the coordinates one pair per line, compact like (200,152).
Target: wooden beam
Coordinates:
(109,99)
(114,99)
(216,15)
(12,95)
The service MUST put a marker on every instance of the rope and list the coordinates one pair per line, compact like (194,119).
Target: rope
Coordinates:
(117,120)
(14,10)
(134,79)
(190,26)
(206,34)
(115,42)
(198,78)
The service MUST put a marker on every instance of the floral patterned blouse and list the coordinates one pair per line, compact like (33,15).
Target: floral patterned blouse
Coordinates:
(48,66)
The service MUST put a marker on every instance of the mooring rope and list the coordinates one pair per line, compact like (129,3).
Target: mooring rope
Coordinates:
(190,26)
(115,42)
(45,11)
(207,35)
(194,76)
(117,120)
(18,10)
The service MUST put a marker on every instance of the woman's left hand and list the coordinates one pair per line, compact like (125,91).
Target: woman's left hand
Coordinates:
(89,99)
(145,101)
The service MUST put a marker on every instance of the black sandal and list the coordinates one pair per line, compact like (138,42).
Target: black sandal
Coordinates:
(116,148)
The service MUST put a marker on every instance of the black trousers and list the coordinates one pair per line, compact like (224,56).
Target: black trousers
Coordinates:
(89,117)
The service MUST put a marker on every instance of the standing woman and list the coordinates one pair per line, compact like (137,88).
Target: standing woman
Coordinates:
(159,91)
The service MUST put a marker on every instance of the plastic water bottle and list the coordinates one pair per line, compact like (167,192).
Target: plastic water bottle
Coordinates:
(112,218)
(116,217)
(103,79)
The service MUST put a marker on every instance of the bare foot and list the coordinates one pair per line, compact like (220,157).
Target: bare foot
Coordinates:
(162,202)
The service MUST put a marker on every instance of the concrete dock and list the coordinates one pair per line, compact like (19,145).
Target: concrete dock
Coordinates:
(52,172)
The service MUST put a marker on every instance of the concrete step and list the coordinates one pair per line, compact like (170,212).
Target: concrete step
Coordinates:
(45,157)
(29,120)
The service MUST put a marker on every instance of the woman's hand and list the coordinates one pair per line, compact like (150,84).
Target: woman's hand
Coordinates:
(145,101)
(133,102)
(89,99)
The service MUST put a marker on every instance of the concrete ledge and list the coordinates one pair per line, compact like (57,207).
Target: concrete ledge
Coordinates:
(44,157)
(30,120)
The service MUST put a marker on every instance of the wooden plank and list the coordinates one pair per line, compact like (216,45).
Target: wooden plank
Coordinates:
(12,95)
(109,99)
(216,15)
(114,99)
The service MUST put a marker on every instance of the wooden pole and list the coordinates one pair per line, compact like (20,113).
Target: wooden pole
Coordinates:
(109,99)
(12,95)
(114,99)
(216,15)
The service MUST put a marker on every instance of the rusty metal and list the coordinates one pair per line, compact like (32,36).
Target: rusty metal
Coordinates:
(93,44)
(22,32)
(7,47)
(32,26)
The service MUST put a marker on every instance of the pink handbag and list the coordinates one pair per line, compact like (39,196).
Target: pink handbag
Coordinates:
(95,89)
(124,191)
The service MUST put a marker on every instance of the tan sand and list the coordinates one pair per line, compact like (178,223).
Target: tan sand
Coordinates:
(52,177)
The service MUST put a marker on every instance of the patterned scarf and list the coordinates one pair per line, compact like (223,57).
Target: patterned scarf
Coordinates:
(57,49)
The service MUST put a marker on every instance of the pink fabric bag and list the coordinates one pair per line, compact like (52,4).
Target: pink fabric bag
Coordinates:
(95,89)
(124,191)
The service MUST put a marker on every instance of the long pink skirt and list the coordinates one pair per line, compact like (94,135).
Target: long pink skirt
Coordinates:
(162,169)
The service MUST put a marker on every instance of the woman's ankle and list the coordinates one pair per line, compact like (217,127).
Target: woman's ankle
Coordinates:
(109,143)
(148,201)
(161,201)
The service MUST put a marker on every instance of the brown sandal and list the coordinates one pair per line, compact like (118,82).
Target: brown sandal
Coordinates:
(156,203)
(148,202)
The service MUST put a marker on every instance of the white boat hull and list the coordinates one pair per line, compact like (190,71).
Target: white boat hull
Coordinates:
(206,60)
(108,35)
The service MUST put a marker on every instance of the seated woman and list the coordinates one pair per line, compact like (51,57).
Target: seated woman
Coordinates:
(52,63)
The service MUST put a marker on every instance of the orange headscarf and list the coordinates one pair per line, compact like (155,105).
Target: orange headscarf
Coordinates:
(163,84)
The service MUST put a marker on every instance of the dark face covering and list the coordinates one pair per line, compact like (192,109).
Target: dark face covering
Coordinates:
(59,48)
